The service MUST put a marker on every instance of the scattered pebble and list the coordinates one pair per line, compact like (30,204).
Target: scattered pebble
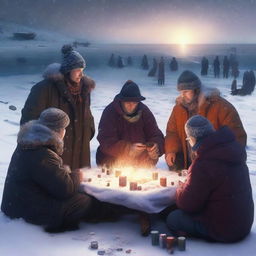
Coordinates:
(11,107)
(128,251)
(101,252)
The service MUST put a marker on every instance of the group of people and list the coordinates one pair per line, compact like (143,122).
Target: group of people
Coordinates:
(204,134)
(230,67)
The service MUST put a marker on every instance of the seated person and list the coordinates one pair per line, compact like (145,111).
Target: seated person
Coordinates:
(128,132)
(215,202)
(38,187)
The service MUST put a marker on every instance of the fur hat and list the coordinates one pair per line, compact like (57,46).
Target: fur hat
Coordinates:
(130,92)
(71,59)
(188,81)
(54,118)
(198,127)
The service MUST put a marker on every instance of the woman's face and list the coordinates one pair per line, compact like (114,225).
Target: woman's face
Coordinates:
(129,106)
(76,74)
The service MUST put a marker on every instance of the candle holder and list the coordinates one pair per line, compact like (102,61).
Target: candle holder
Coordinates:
(163,181)
(154,237)
(122,181)
(162,240)
(94,245)
(155,175)
(172,183)
(99,176)
(170,242)
(139,188)
(133,185)
(182,243)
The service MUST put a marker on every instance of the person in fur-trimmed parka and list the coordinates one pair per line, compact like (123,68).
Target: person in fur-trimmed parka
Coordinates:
(38,187)
(195,100)
(67,88)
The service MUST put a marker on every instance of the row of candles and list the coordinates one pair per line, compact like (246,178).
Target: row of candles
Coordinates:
(168,242)
(133,185)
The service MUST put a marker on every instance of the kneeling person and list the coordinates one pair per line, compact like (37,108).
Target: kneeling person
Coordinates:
(216,200)
(128,132)
(38,187)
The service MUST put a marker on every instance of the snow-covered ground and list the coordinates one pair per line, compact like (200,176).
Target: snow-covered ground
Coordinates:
(24,57)
(20,238)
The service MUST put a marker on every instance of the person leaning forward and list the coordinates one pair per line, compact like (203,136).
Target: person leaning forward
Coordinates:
(67,88)
(128,132)
(38,187)
(194,99)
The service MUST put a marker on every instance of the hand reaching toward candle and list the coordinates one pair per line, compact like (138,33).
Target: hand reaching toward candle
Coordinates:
(136,149)
(153,151)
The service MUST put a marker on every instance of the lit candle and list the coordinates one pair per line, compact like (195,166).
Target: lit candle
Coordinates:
(133,185)
(155,175)
(163,181)
(118,173)
(155,237)
(182,243)
(122,181)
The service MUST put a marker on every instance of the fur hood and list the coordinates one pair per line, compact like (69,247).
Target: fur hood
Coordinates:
(52,72)
(206,94)
(34,135)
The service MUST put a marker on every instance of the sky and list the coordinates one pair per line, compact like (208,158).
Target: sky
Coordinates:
(139,21)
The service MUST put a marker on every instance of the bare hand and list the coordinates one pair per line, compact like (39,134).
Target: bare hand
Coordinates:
(137,148)
(170,158)
(153,151)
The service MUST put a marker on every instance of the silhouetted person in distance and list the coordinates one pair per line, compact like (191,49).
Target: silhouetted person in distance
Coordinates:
(161,75)
(174,64)
(226,66)
(216,67)
(153,70)
(234,66)
(120,62)
(144,63)
(112,61)
(129,61)
(204,66)
(234,87)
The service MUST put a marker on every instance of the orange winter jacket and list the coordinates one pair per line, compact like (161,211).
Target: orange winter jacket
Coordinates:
(215,108)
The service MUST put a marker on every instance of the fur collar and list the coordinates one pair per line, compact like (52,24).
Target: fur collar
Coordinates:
(206,95)
(34,135)
(52,73)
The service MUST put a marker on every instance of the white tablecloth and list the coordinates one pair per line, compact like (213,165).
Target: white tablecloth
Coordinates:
(153,198)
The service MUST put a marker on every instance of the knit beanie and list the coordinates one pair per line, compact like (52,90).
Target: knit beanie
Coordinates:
(198,127)
(71,59)
(54,118)
(130,92)
(188,81)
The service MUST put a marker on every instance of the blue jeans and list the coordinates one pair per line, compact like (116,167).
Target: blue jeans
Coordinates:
(179,221)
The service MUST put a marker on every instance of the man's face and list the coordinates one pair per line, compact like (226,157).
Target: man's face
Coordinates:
(76,74)
(129,106)
(187,95)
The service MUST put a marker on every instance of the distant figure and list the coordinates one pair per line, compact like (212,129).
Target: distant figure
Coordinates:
(112,62)
(144,63)
(129,61)
(161,75)
(204,66)
(216,67)
(248,84)
(234,66)
(226,66)
(153,70)
(120,62)
(174,64)
(234,87)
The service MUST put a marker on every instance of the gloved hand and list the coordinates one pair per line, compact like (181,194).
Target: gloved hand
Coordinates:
(153,151)
(136,149)
(170,158)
